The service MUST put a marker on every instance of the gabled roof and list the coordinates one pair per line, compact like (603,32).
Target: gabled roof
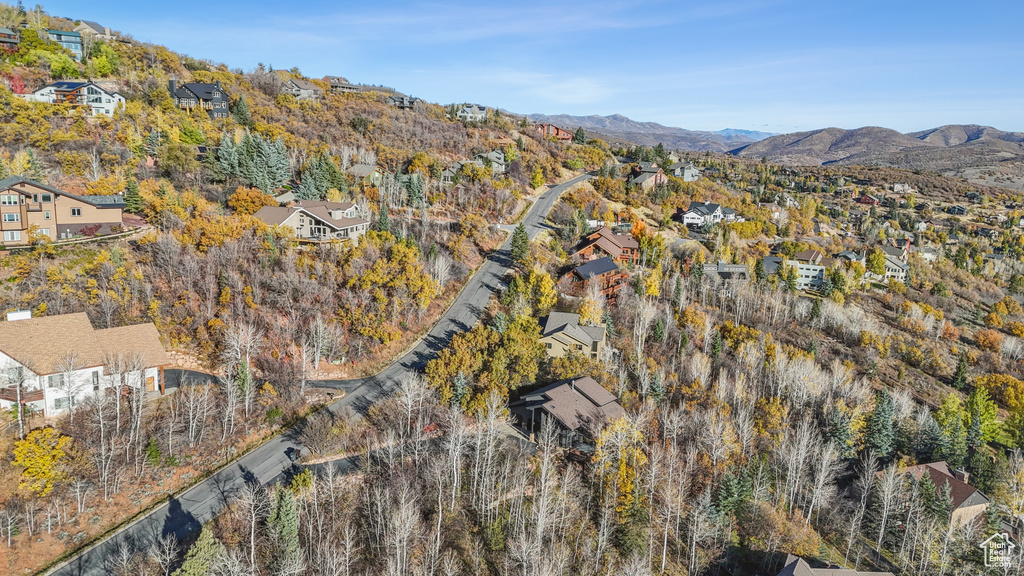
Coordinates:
(93,26)
(569,324)
(303,84)
(97,201)
(577,401)
(596,268)
(278,215)
(362,170)
(940,474)
(39,343)
(703,208)
(343,206)
(796,566)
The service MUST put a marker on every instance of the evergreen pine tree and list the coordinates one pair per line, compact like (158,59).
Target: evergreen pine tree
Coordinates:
(132,199)
(838,432)
(520,250)
(960,375)
(716,346)
(928,440)
(203,556)
(759,272)
(816,309)
(241,112)
(579,137)
(35,169)
(227,157)
(677,293)
(955,442)
(880,433)
(414,189)
(383,219)
(284,528)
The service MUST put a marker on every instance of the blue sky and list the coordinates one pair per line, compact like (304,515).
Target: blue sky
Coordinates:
(772,65)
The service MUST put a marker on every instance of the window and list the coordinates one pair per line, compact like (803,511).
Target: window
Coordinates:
(55,381)
(14,375)
(63,403)
(44,231)
(95,381)
(579,347)
(9,200)
(46,214)
(12,217)
(42,198)
(548,345)
(593,346)
(12,236)
(76,211)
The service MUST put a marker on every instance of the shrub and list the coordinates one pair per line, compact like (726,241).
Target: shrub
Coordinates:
(989,340)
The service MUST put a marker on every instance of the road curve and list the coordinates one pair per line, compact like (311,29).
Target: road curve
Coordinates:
(268,462)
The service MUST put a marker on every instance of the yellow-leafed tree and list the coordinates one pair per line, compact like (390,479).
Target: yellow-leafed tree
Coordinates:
(43,454)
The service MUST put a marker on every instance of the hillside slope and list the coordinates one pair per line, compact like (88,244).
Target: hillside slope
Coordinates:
(981,154)
(652,133)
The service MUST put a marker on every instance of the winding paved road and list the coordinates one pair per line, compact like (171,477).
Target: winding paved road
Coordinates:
(185,514)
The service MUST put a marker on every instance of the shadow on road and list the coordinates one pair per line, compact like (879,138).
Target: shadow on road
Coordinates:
(179,522)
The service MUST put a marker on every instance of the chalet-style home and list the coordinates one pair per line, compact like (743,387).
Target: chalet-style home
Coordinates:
(317,221)
(603,242)
(956,210)
(702,213)
(968,502)
(895,269)
(603,273)
(209,97)
(472,113)
(70,40)
(94,29)
(340,85)
(796,566)
(578,407)
(554,132)
(59,360)
(495,159)
(647,176)
(367,174)
(869,200)
(56,214)
(9,39)
(403,102)
(301,89)
(685,170)
(87,94)
(561,333)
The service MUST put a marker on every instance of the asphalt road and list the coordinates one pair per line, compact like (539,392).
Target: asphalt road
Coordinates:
(184,515)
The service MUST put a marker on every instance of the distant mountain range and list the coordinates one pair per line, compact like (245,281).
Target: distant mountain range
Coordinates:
(977,153)
(652,133)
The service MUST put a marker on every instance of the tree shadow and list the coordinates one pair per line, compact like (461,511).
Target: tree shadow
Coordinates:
(179,522)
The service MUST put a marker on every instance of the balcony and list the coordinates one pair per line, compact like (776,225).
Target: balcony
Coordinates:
(10,394)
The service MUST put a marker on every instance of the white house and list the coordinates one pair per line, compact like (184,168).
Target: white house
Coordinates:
(808,276)
(57,361)
(317,221)
(472,113)
(98,100)
(701,213)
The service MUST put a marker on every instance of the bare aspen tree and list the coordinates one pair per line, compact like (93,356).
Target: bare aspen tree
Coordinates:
(251,508)
(890,485)
(863,486)
(68,364)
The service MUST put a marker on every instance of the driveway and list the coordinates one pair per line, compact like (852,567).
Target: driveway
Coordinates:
(267,463)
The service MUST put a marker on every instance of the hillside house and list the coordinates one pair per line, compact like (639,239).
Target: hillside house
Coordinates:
(209,97)
(869,200)
(602,273)
(554,132)
(367,174)
(403,102)
(956,210)
(70,40)
(902,188)
(703,213)
(561,334)
(9,39)
(796,566)
(453,173)
(317,221)
(809,256)
(647,176)
(895,269)
(774,210)
(301,89)
(808,276)
(495,159)
(968,502)
(100,102)
(57,361)
(472,113)
(56,214)
(340,85)
(900,254)
(622,248)
(577,407)
(685,170)
(95,30)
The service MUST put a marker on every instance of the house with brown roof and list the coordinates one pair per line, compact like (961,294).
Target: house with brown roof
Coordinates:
(622,248)
(554,132)
(796,566)
(968,502)
(578,407)
(647,176)
(602,273)
(55,214)
(367,174)
(56,361)
(561,334)
(317,220)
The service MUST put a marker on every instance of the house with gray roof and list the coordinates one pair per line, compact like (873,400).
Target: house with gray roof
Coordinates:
(68,39)
(472,113)
(209,97)
(702,213)
(685,170)
(9,39)
(317,221)
(301,89)
(341,85)
(561,334)
(796,566)
(577,407)
(495,159)
(99,101)
(94,29)
(403,102)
